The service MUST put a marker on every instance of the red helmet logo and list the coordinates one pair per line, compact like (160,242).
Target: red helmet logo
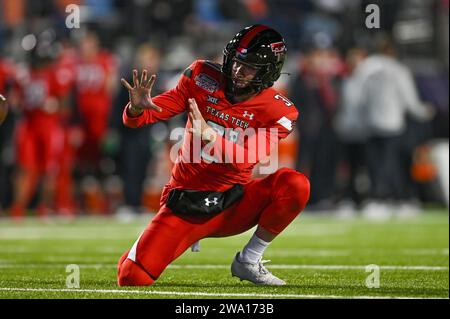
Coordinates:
(278,47)
(242,50)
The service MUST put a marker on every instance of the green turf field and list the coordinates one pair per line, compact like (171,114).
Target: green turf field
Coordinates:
(319,257)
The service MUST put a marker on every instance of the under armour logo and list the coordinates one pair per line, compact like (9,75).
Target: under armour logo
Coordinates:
(250,115)
(214,201)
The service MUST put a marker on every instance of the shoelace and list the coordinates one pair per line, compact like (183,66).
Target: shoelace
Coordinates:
(263,269)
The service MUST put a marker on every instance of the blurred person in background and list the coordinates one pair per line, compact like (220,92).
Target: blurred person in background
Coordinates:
(7,89)
(316,89)
(135,144)
(350,124)
(65,66)
(389,96)
(39,135)
(96,82)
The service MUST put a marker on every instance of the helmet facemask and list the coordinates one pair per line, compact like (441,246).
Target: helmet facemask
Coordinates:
(241,86)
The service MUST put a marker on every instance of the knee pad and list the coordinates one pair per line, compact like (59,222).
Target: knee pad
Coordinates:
(294,185)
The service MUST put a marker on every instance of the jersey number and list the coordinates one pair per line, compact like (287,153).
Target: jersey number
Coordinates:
(285,100)
(233,137)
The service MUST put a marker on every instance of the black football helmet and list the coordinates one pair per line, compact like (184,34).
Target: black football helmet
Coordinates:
(260,47)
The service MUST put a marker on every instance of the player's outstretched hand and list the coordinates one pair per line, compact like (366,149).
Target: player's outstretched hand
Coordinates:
(140,93)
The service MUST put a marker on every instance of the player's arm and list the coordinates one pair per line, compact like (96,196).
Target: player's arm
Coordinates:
(408,91)
(249,153)
(257,146)
(142,109)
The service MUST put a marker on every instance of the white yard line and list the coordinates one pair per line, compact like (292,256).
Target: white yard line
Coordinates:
(427,251)
(209,266)
(110,232)
(285,252)
(207,294)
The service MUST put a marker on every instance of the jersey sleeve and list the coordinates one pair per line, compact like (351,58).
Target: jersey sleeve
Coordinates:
(285,124)
(171,102)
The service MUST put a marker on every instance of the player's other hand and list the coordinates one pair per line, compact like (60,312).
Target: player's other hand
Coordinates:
(199,126)
(140,92)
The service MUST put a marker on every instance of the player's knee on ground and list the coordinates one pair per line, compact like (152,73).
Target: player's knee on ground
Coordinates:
(294,186)
(131,274)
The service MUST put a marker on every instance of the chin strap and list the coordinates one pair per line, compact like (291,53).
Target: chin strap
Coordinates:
(251,88)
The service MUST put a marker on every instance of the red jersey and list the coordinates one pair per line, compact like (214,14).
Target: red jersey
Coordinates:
(40,92)
(91,81)
(65,68)
(204,82)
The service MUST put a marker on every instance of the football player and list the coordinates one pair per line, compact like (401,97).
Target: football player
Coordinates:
(39,134)
(95,83)
(214,196)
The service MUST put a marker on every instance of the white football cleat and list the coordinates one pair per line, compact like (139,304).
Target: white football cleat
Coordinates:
(255,273)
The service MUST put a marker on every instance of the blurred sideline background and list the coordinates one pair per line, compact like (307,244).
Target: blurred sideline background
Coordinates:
(373,130)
